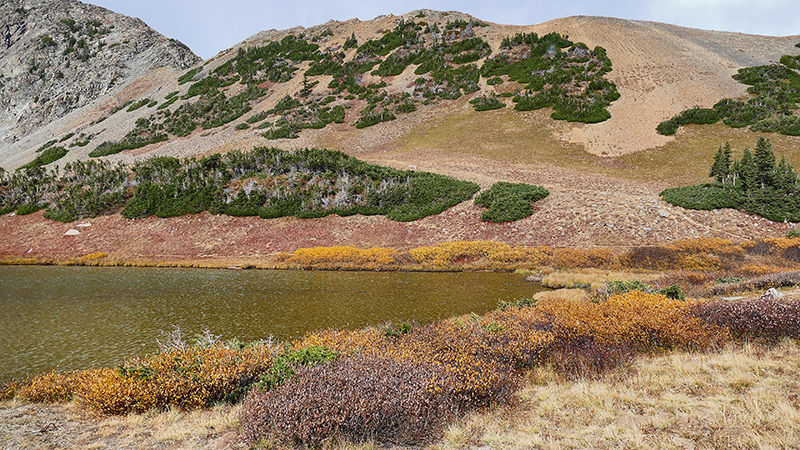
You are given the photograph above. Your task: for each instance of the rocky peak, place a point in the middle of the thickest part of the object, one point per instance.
(59, 55)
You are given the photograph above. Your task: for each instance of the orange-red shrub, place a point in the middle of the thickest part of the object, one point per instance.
(641, 320)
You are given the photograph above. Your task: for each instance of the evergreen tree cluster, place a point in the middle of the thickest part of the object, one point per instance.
(757, 184)
(267, 182)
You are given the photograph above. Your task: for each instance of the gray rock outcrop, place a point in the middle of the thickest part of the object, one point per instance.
(59, 55)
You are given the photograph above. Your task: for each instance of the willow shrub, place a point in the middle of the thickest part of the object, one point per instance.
(754, 319)
(640, 320)
(341, 257)
(358, 399)
(495, 253)
(186, 378)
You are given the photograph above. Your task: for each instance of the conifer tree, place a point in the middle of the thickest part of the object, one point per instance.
(351, 42)
(764, 159)
(748, 171)
(721, 169)
(785, 177)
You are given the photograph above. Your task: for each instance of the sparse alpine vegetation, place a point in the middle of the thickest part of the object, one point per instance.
(775, 91)
(446, 60)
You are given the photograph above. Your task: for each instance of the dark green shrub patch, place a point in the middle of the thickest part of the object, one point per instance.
(550, 75)
(558, 74)
(187, 77)
(372, 117)
(694, 115)
(168, 103)
(618, 287)
(139, 104)
(304, 183)
(33, 185)
(47, 156)
(494, 81)
(508, 202)
(146, 132)
(87, 189)
(756, 184)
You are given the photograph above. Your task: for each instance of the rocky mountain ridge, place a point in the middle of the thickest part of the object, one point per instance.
(58, 56)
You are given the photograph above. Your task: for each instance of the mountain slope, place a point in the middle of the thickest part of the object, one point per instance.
(604, 177)
(658, 69)
(57, 56)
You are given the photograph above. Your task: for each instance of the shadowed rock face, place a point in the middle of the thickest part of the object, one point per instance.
(59, 55)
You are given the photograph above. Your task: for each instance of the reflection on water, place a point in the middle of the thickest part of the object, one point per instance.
(77, 317)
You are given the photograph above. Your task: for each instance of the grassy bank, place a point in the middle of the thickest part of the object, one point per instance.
(690, 261)
(673, 400)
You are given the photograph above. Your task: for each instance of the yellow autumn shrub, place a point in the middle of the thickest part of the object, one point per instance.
(93, 256)
(575, 258)
(642, 320)
(450, 253)
(342, 257)
(49, 387)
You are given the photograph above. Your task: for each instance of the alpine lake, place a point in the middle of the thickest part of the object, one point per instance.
(70, 318)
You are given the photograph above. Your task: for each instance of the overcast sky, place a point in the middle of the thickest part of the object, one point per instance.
(210, 26)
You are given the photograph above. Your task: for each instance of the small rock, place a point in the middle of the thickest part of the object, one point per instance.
(72, 232)
(84, 224)
(771, 294)
(663, 213)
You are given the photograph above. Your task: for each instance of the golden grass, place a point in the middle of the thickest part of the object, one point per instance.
(699, 143)
(502, 134)
(22, 426)
(568, 295)
(185, 427)
(591, 277)
(532, 137)
(743, 397)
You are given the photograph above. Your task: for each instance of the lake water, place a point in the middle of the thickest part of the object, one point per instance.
(79, 317)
